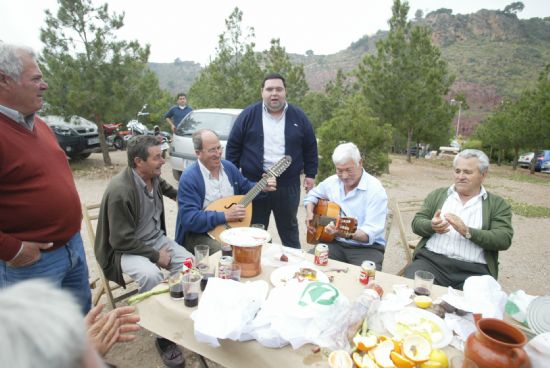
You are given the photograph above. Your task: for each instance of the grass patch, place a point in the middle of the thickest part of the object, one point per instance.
(528, 210)
(525, 178)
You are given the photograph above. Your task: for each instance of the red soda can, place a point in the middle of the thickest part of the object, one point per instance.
(187, 264)
(321, 255)
(368, 272)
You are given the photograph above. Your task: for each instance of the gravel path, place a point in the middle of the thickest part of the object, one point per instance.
(523, 266)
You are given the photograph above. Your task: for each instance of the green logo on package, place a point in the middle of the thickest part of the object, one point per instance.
(318, 293)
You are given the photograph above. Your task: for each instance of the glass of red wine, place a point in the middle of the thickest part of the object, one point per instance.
(191, 282)
(423, 281)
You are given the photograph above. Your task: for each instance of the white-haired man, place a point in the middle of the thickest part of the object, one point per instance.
(359, 195)
(463, 227)
(42, 326)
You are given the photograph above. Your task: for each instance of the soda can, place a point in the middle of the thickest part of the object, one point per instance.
(224, 267)
(368, 272)
(321, 255)
(187, 264)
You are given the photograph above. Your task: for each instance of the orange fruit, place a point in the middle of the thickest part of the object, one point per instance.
(416, 348)
(423, 301)
(363, 361)
(365, 343)
(382, 354)
(340, 359)
(400, 361)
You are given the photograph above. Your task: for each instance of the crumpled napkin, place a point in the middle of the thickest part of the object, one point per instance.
(225, 307)
(481, 294)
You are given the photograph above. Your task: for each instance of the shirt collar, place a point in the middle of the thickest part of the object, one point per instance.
(141, 183)
(267, 111)
(482, 192)
(26, 121)
(206, 172)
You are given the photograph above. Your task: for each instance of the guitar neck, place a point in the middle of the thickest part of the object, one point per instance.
(252, 193)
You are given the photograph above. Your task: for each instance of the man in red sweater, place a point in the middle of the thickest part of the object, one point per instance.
(39, 205)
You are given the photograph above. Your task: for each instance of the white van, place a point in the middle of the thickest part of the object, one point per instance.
(182, 153)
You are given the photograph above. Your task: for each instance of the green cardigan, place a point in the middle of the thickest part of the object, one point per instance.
(495, 234)
(118, 221)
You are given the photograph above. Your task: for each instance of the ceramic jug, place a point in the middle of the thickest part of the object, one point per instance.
(496, 344)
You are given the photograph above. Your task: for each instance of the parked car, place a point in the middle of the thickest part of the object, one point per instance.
(545, 167)
(182, 153)
(524, 159)
(77, 136)
(542, 157)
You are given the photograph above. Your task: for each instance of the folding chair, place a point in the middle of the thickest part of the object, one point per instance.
(90, 212)
(408, 244)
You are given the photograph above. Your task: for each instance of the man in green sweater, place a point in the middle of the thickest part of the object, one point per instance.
(463, 227)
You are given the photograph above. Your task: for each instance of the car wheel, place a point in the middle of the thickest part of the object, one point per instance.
(118, 143)
(176, 174)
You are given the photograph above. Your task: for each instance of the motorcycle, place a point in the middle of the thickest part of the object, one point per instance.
(113, 136)
(136, 127)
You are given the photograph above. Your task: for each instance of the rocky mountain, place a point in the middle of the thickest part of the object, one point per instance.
(492, 54)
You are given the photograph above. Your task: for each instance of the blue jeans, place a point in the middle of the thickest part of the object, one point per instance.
(65, 267)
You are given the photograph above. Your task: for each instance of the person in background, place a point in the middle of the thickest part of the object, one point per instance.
(463, 227)
(207, 180)
(359, 195)
(40, 211)
(178, 112)
(42, 326)
(263, 133)
(131, 230)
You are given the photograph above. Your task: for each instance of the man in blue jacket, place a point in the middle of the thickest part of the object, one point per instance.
(207, 180)
(263, 133)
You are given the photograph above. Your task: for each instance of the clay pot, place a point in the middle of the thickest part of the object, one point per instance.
(496, 344)
(247, 248)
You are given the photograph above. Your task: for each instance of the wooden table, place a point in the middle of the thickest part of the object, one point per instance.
(170, 319)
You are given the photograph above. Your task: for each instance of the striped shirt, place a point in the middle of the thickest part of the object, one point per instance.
(215, 189)
(452, 244)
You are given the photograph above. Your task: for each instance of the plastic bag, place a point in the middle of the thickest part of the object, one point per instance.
(516, 305)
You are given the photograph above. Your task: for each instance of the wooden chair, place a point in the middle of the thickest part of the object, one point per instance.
(408, 243)
(90, 212)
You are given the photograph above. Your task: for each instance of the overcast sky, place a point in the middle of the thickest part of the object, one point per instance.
(189, 30)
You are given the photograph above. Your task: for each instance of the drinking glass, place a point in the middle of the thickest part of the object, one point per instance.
(201, 257)
(191, 282)
(423, 281)
(175, 285)
(236, 272)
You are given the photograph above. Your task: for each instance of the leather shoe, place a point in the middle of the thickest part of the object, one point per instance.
(171, 354)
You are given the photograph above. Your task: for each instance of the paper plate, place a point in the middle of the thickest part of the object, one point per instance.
(245, 236)
(538, 314)
(410, 321)
(280, 276)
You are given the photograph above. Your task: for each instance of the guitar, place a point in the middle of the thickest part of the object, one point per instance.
(245, 200)
(324, 213)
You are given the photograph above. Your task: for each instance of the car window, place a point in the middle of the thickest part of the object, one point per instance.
(218, 122)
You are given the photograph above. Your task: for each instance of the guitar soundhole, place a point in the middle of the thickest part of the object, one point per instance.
(229, 205)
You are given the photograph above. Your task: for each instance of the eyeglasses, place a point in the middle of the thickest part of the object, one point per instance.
(215, 150)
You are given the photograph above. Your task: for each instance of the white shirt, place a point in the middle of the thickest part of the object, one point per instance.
(274, 137)
(215, 189)
(368, 203)
(452, 244)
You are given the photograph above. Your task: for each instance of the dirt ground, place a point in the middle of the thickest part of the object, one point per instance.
(523, 266)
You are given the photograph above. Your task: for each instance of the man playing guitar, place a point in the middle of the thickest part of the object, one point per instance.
(359, 195)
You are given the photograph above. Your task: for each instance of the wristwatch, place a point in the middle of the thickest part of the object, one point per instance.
(468, 235)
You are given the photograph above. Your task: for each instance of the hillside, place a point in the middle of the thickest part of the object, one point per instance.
(492, 54)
